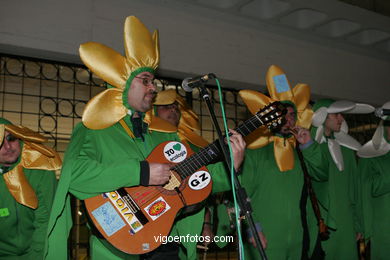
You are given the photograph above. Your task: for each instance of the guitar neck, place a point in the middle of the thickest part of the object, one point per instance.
(212, 152)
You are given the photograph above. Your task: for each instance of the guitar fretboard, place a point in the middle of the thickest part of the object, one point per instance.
(211, 152)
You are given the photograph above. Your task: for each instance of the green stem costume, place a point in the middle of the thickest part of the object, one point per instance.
(374, 169)
(337, 194)
(337, 183)
(23, 228)
(275, 198)
(375, 174)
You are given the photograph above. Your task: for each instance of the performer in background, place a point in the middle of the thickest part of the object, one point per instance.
(108, 149)
(27, 187)
(272, 174)
(374, 172)
(337, 184)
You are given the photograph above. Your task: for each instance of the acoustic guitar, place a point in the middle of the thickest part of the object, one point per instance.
(136, 219)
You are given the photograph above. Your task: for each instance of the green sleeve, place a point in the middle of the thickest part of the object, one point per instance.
(221, 179)
(316, 161)
(45, 193)
(91, 175)
(380, 179)
(249, 173)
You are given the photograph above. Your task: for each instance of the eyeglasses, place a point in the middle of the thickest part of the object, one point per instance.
(148, 81)
(9, 138)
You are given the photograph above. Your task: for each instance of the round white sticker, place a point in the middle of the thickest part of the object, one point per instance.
(199, 180)
(175, 152)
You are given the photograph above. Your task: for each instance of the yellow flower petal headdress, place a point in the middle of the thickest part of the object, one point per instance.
(279, 90)
(188, 119)
(34, 155)
(142, 54)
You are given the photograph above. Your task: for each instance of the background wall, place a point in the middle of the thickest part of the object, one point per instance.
(196, 40)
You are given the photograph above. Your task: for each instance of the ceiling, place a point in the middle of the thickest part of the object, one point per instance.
(357, 25)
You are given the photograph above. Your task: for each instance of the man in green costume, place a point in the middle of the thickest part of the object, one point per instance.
(336, 185)
(27, 187)
(272, 173)
(374, 170)
(108, 149)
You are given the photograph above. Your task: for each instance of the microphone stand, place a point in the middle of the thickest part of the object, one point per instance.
(242, 197)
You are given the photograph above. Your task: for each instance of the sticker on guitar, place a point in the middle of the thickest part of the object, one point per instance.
(157, 208)
(175, 152)
(199, 180)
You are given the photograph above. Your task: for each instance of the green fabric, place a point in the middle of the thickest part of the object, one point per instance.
(24, 229)
(4, 121)
(90, 161)
(337, 193)
(91, 158)
(325, 102)
(375, 176)
(275, 198)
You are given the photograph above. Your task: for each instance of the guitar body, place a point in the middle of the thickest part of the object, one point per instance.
(135, 219)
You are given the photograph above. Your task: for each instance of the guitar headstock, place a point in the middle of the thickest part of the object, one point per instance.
(272, 115)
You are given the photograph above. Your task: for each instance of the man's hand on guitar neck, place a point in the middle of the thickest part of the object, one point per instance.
(159, 173)
(238, 147)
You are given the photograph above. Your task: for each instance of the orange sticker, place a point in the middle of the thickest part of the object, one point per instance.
(157, 208)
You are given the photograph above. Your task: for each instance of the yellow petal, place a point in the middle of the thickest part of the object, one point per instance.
(142, 49)
(258, 138)
(26, 134)
(34, 159)
(254, 100)
(104, 110)
(158, 124)
(301, 96)
(105, 62)
(192, 137)
(304, 118)
(1, 133)
(278, 85)
(20, 188)
(284, 153)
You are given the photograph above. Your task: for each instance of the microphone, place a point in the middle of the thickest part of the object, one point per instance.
(189, 83)
(380, 112)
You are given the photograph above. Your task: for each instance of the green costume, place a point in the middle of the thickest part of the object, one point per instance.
(337, 194)
(374, 169)
(336, 184)
(275, 198)
(23, 228)
(375, 174)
